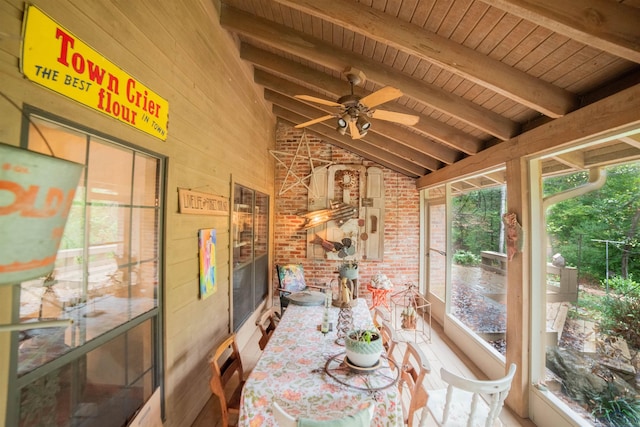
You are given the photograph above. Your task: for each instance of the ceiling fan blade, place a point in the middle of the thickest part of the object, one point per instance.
(381, 96)
(353, 130)
(314, 121)
(317, 100)
(392, 116)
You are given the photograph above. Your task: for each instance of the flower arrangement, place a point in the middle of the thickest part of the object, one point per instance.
(381, 281)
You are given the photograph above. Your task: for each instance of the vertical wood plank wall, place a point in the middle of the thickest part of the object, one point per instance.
(219, 129)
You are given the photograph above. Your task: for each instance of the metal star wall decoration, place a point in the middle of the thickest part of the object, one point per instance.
(290, 168)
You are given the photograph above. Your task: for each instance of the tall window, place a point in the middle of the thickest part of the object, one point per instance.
(437, 241)
(478, 270)
(592, 293)
(250, 252)
(105, 365)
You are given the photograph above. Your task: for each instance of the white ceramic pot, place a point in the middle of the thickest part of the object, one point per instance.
(362, 353)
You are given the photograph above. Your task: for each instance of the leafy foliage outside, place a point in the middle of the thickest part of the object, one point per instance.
(578, 227)
(477, 221)
(613, 409)
(466, 258)
(621, 311)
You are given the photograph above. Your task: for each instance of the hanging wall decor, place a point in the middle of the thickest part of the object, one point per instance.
(297, 180)
(38, 191)
(207, 255)
(514, 234)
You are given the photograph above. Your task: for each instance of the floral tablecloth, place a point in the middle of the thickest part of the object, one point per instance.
(291, 371)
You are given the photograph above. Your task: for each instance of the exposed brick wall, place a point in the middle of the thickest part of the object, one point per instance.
(402, 207)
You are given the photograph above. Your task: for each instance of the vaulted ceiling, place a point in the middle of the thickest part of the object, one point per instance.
(476, 73)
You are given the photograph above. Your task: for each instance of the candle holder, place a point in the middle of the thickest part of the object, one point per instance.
(345, 323)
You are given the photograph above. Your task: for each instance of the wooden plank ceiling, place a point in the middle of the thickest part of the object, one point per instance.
(475, 72)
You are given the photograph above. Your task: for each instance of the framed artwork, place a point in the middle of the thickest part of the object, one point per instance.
(291, 277)
(207, 255)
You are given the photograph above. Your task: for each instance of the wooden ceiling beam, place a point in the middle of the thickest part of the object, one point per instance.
(440, 132)
(633, 140)
(319, 52)
(329, 135)
(606, 25)
(414, 40)
(572, 159)
(390, 131)
(377, 141)
(607, 118)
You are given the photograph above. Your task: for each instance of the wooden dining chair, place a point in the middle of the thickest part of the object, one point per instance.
(267, 325)
(461, 403)
(413, 395)
(389, 340)
(227, 377)
(361, 418)
(378, 317)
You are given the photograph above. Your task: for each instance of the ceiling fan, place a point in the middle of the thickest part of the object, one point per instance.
(354, 111)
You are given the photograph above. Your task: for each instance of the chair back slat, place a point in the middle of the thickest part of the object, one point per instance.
(389, 340)
(415, 367)
(477, 411)
(267, 325)
(226, 364)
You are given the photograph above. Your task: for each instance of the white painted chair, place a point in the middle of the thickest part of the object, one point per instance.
(360, 419)
(461, 402)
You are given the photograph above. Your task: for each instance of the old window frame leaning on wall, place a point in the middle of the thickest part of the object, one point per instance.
(107, 280)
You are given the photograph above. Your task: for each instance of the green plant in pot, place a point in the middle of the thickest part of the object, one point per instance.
(408, 318)
(363, 347)
(349, 269)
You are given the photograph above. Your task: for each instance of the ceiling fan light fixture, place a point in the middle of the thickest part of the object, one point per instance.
(363, 124)
(342, 122)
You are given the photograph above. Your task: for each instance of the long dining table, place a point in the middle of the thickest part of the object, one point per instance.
(292, 370)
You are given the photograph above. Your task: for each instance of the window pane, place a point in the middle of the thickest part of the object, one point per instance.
(109, 174)
(145, 177)
(593, 294)
(104, 387)
(437, 243)
(65, 143)
(242, 226)
(479, 264)
(107, 267)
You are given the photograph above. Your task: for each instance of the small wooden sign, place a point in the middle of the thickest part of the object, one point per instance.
(367, 202)
(195, 202)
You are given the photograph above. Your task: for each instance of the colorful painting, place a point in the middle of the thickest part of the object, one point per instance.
(207, 250)
(291, 277)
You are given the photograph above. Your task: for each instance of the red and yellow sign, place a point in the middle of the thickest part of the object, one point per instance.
(55, 58)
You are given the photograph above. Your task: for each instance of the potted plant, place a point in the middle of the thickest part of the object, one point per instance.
(363, 347)
(408, 318)
(349, 269)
